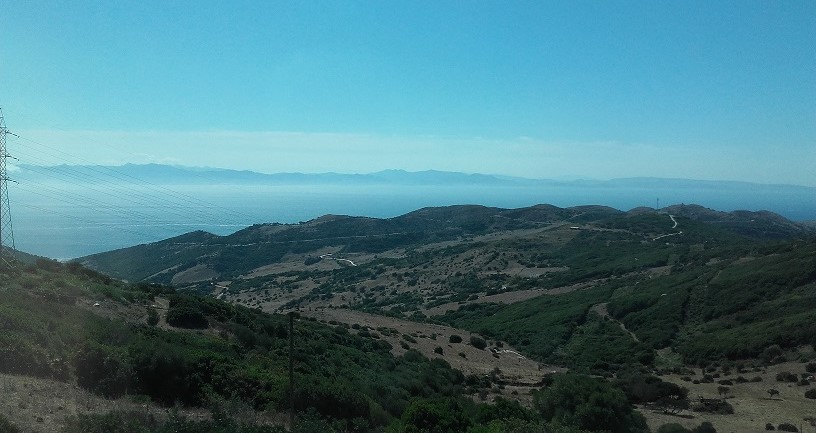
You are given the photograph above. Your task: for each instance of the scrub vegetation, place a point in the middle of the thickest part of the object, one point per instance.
(461, 319)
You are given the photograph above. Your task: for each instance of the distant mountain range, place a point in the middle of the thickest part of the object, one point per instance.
(166, 174)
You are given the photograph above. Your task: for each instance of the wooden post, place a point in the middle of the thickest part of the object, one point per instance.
(291, 371)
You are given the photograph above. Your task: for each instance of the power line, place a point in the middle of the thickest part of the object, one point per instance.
(133, 180)
(101, 190)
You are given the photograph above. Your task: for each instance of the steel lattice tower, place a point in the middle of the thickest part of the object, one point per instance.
(6, 232)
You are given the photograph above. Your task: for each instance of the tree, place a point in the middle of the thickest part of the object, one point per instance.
(672, 428)
(723, 391)
(588, 403)
(705, 427)
(435, 416)
(152, 317)
(478, 342)
(186, 317)
(772, 392)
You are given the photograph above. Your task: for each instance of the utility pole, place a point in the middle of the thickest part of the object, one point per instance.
(7, 247)
(291, 370)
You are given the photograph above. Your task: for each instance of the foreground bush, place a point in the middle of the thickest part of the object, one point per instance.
(6, 426)
(588, 403)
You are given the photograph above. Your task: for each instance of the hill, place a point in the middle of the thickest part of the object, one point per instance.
(678, 279)
(69, 324)
(83, 353)
(248, 250)
(435, 309)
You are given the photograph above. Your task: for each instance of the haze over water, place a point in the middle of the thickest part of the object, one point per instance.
(63, 231)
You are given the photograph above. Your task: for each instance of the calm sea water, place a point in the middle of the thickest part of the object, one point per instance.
(66, 226)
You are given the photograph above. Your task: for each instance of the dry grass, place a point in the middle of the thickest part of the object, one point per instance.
(514, 368)
(752, 406)
(42, 405)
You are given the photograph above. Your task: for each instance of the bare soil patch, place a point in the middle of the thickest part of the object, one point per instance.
(513, 366)
(193, 275)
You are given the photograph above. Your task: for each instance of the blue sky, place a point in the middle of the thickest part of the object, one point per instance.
(599, 89)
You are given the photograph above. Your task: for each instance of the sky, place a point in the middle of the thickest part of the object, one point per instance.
(721, 90)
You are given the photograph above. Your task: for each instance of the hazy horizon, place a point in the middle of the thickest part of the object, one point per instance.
(565, 178)
(538, 90)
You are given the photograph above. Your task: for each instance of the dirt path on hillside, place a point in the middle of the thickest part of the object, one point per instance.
(603, 311)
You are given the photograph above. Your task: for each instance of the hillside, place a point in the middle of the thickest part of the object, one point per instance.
(248, 250)
(692, 279)
(458, 305)
(84, 353)
(144, 347)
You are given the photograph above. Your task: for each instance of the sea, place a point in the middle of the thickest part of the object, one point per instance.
(75, 223)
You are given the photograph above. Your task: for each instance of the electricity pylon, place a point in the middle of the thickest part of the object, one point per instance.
(6, 232)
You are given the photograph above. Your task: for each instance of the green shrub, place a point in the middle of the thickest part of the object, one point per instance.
(672, 428)
(102, 370)
(112, 422)
(6, 426)
(705, 427)
(811, 394)
(455, 339)
(478, 342)
(442, 416)
(721, 407)
(152, 317)
(588, 403)
(186, 317)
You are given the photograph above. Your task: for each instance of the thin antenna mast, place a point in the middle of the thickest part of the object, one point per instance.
(7, 247)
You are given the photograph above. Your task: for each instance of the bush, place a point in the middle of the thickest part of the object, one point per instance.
(811, 394)
(438, 350)
(785, 376)
(704, 427)
(186, 317)
(770, 427)
(721, 407)
(771, 353)
(811, 367)
(589, 404)
(672, 428)
(102, 370)
(152, 317)
(112, 422)
(455, 339)
(435, 416)
(785, 426)
(478, 342)
(6, 426)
